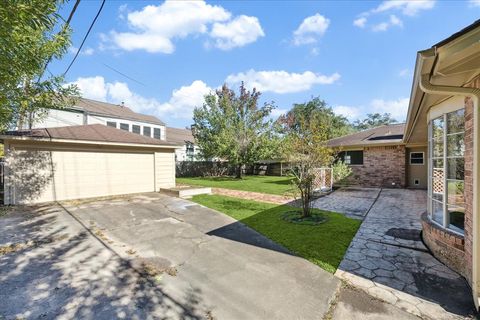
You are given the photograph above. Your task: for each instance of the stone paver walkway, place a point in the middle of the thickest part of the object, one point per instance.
(388, 260)
(256, 196)
(353, 202)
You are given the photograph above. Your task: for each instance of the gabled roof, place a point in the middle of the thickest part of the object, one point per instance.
(384, 135)
(91, 132)
(180, 136)
(114, 111)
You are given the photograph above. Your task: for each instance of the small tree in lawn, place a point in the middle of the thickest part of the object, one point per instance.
(235, 128)
(307, 150)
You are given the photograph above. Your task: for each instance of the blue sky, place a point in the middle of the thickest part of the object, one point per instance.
(358, 56)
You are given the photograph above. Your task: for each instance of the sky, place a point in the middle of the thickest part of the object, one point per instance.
(161, 58)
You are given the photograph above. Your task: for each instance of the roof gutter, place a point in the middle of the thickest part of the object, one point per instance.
(427, 87)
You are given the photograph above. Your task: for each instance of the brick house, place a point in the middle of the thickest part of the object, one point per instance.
(441, 132)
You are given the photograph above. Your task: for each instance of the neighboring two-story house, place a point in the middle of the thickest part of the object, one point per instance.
(88, 111)
(184, 137)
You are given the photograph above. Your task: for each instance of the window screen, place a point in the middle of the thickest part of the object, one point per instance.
(124, 126)
(135, 128)
(156, 133)
(147, 131)
(112, 124)
(351, 157)
(416, 157)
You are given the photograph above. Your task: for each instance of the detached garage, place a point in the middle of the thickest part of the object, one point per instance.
(64, 163)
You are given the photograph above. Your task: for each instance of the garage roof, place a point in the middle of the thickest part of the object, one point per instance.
(384, 135)
(91, 132)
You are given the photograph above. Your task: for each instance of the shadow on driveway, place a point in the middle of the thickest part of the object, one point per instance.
(56, 269)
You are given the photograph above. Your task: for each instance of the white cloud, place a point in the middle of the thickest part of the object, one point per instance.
(180, 105)
(360, 22)
(278, 112)
(92, 88)
(397, 108)
(310, 30)
(384, 26)
(351, 113)
(240, 31)
(86, 52)
(474, 3)
(407, 7)
(154, 28)
(281, 81)
(184, 100)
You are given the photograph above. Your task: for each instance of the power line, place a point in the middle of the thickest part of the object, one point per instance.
(85, 37)
(67, 23)
(123, 74)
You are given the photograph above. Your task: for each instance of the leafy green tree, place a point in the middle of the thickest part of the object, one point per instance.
(235, 128)
(307, 150)
(323, 115)
(374, 120)
(28, 41)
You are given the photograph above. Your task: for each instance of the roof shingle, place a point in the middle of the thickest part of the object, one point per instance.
(91, 132)
(115, 111)
(180, 136)
(387, 134)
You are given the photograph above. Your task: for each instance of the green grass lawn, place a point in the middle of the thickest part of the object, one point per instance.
(324, 244)
(262, 184)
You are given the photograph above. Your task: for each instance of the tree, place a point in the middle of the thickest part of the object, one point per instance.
(374, 120)
(307, 150)
(316, 109)
(235, 128)
(28, 41)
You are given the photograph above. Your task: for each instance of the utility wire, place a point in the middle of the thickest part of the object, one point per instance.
(65, 26)
(85, 37)
(123, 74)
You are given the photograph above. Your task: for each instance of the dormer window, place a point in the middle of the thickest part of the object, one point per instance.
(157, 133)
(147, 131)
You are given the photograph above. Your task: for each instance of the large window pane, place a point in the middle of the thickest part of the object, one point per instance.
(456, 193)
(438, 147)
(456, 121)
(437, 211)
(455, 145)
(438, 196)
(456, 168)
(437, 128)
(456, 218)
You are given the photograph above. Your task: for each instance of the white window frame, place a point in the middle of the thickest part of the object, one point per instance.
(423, 158)
(445, 223)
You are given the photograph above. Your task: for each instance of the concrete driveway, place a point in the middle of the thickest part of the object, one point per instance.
(150, 256)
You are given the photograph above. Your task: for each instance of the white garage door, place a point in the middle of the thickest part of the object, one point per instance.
(80, 174)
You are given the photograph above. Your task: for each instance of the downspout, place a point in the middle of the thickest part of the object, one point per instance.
(473, 93)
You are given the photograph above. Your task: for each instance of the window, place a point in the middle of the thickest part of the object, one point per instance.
(112, 124)
(135, 129)
(351, 157)
(147, 131)
(190, 151)
(125, 126)
(447, 170)
(416, 157)
(156, 133)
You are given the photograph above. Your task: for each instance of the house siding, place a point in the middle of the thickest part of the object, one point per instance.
(164, 170)
(383, 166)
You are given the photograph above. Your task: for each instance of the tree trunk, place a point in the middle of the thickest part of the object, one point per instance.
(239, 171)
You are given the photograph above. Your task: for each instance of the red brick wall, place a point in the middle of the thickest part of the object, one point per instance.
(382, 166)
(469, 125)
(445, 245)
